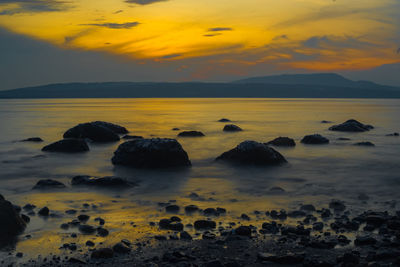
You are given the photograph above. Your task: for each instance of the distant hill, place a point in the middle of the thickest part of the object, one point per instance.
(282, 86)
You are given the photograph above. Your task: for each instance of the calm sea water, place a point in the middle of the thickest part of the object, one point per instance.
(315, 174)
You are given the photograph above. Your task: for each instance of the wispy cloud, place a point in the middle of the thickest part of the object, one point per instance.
(211, 34)
(171, 56)
(219, 29)
(143, 2)
(126, 25)
(34, 6)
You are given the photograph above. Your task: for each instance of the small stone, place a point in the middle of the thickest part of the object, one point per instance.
(44, 211)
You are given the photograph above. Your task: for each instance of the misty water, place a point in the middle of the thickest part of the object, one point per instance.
(314, 173)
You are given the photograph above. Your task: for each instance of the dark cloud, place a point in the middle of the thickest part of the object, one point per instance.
(33, 6)
(171, 56)
(118, 11)
(211, 34)
(143, 2)
(335, 42)
(219, 29)
(398, 51)
(127, 25)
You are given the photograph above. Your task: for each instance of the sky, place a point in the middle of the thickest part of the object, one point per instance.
(48, 41)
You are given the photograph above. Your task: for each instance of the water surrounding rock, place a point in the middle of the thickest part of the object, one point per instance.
(253, 153)
(232, 128)
(67, 146)
(97, 131)
(314, 139)
(151, 153)
(48, 183)
(282, 141)
(351, 126)
(191, 134)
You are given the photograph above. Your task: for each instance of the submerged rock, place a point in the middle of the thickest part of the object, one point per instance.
(98, 131)
(151, 153)
(351, 126)
(48, 183)
(11, 223)
(253, 153)
(190, 134)
(232, 128)
(314, 139)
(108, 181)
(393, 134)
(364, 144)
(68, 146)
(224, 120)
(282, 141)
(32, 139)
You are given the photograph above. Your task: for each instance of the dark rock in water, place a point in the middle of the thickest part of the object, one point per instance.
(168, 224)
(314, 139)
(185, 236)
(324, 121)
(121, 248)
(243, 230)
(364, 241)
(351, 126)
(175, 129)
(393, 134)
(349, 259)
(33, 139)
(270, 228)
(87, 229)
(208, 235)
(106, 182)
(90, 243)
(172, 208)
(26, 218)
(325, 213)
(296, 214)
(160, 237)
(204, 224)
(97, 131)
(281, 259)
(224, 120)
(83, 217)
(68, 146)
(132, 137)
(277, 189)
(253, 153)
(246, 217)
(48, 183)
(337, 205)
(211, 211)
(72, 211)
(44, 211)
(190, 134)
(308, 207)
(282, 141)
(364, 144)
(318, 226)
(151, 153)
(102, 253)
(232, 128)
(343, 139)
(11, 223)
(191, 208)
(28, 207)
(102, 232)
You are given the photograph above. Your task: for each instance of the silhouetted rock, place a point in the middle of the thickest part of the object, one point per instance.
(282, 141)
(337, 205)
(48, 183)
(11, 223)
(151, 153)
(190, 134)
(253, 153)
(314, 139)
(224, 120)
(102, 253)
(191, 208)
(106, 182)
(243, 230)
(68, 146)
(282, 259)
(343, 139)
(351, 126)
(324, 121)
(393, 134)
(364, 241)
(172, 208)
(121, 248)
(33, 139)
(97, 131)
(87, 229)
(364, 144)
(44, 211)
(204, 224)
(232, 128)
(132, 137)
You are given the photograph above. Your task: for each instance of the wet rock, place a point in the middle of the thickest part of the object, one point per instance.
(364, 144)
(282, 141)
(232, 128)
(243, 230)
(96, 131)
(44, 211)
(298, 230)
(318, 226)
(19, 255)
(175, 129)
(364, 241)
(64, 226)
(211, 212)
(102, 232)
(270, 228)
(185, 236)
(337, 205)
(72, 211)
(73, 260)
(325, 121)
(172, 208)
(87, 229)
(33, 139)
(121, 248)
(48, 183)
(281, 215)
(351, 126)
(175, 219)
(175, 226)
(151, 153)
(67, 146)
(100, 220)
(11, 223)
(26, 218)
(314, 139)
(102, 253)
(191, 208)
(308, 207)
(190, 134)
(281, 259)
(325, 213)
(277, 190)
(221, 210)
(106, 182)
(224, 120)
(253, 153)
(132, 137)
(160, 237)
(208, 235)
(343, 139)
(245, 217)
(296, 214)
(393, 134)
(204, 224)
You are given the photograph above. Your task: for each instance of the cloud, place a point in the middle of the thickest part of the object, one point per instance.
(143, 2)
(126, 25)
(212, 34)
(398, 51)
(335, 42)
(219, 29)
(171, 56)
(33, 6)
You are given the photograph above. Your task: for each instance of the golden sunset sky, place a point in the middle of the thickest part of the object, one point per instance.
(314, 35)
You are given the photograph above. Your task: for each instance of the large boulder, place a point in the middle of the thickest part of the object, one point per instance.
(314, 139)
(232, 128)
(151, 153)
(106, 182)
(282, 141)
(253, 153)
(67, 145)
(351, 126)
(98, 131)
(11, 223)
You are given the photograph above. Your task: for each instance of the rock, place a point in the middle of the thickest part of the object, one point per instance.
(318, 226)
(160, 237)
(83, 217)
(282, 141)
(281, 259)
(190, 134)
(19, 254)
(33, 139)
(243, 231)
(87, 229)
(393, 134)
(64, 226)
(298, 230)
(106, 182)
(343, 139)
(67, 146)
(185, 236)
(48, 183)
(175, 129)
(232, 128)
(172, 208)
(308, 207)
(253, 153)
(296, 214)
(245, 217)
(170, 225)
(277, 189)
(208, 235)
(211, 211)
(364, 241)
(76, 261)
(324, 121)
(27, 207)
(71, 211)
(102, 253)
(121, 248)
(151, 153)
(224, 120)
(325, 213)
(204, 224)
(337, 205)
(132, 137)
(351, 126)
(350, 259)
(314, 139)
(11, 223)
(191, 208)
(364, 144)
(97, 131)
(44, 211)
(102, 232)
(221, 210)
(100, 220)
